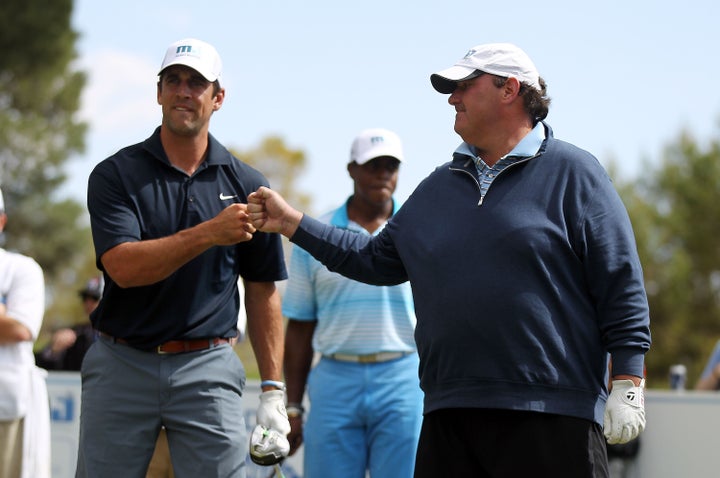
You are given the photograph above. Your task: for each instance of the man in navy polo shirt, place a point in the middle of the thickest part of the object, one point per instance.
(172, 235)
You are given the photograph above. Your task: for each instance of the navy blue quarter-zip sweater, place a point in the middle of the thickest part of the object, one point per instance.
(520, 297)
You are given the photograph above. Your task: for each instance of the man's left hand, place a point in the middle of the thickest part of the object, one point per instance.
(624, 412)
(268, 443)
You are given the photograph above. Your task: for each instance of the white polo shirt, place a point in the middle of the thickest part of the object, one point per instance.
(22, 291)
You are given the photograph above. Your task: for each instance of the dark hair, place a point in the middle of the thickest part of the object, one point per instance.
(537, 103)
(216, 87)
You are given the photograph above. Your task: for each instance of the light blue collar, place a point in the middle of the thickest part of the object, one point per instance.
(340, 217)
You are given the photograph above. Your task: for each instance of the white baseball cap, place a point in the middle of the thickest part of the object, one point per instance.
(373, 143)
(196, 54)
(501, 59)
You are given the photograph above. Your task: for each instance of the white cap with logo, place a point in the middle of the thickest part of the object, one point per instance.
(501, 59)
(373, 143)
(196, 54)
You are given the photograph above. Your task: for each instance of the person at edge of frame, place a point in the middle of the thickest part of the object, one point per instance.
(24, 412)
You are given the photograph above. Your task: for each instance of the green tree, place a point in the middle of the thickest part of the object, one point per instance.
(281, 166)
(674, 211)
(39, 131)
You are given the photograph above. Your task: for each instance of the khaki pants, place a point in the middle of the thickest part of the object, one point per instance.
(160, 464)
(11, 448)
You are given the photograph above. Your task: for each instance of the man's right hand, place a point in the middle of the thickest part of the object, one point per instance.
(232, 225)
(270, 213)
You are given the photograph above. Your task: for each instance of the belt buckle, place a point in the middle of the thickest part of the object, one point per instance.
(160, 350)
(367, 358)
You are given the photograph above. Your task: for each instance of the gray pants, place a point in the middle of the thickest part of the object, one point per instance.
(128, 394)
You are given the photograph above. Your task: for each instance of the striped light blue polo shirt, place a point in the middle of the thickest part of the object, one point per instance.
(352, 317)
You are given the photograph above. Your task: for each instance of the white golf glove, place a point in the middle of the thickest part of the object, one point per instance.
(268, 442)
(624, 412)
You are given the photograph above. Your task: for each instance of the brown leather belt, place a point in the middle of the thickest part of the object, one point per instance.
(176, 346)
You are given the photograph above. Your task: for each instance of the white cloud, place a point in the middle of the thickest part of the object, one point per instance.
(120, 94)
(119, 105)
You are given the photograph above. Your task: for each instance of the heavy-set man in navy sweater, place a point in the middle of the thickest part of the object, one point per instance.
(526, 280)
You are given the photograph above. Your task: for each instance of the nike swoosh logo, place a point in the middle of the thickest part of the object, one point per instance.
(225, 198)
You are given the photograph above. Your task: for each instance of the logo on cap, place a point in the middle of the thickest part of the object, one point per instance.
(187, 50)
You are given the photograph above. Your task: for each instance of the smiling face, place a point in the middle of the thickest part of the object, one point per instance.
(188, 100)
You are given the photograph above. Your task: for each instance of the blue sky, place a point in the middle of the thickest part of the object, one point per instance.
(625, 77)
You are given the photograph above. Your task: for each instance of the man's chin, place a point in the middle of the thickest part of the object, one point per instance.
(187, 130)
(458, 127)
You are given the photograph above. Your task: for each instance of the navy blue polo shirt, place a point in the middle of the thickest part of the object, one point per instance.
(136, 194)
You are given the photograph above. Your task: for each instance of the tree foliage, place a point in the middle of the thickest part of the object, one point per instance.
(675, 214)
(281, 166)
(40, 95)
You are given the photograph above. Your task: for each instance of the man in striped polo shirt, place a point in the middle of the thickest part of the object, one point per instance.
(364, 391)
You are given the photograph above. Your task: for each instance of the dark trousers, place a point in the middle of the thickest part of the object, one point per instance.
(487, 443)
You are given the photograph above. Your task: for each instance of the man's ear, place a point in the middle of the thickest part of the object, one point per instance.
(352, 169)
(219, 98)
(511, 88)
